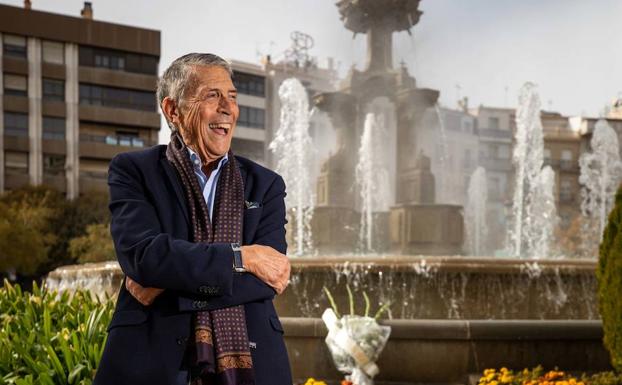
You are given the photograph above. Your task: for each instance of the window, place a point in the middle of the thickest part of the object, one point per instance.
(249, 84)
(53, 52)
(251, 149)
(118, 60)
(251, 117)
(15, 124)
(116, 136)
(503, 151)
(117, 97)
(566, 162)
(467, 126)
(565, 191)
(53, 164)
(14, 46)
(493, 123)
(53, 128)
(16, 85)
(16, 162)
(467, 158)
(54, 89)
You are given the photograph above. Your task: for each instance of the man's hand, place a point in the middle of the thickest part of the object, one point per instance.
(144, 295)
(268, 265)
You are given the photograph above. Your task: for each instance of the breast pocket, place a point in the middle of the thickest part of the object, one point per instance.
(251, 220)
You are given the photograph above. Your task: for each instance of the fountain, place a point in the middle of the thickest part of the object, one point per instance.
(293, 148)
(601, 173)
(475, 213)
(372, 178)
(450, 315)
(533, 184)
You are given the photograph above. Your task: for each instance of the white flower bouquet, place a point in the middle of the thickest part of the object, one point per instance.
(355, 342)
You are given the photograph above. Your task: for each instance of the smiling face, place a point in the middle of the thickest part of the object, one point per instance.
(209, 113)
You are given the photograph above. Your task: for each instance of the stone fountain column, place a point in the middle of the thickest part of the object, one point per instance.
(335, 221)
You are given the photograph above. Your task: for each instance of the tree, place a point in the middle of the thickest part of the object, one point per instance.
(95, 246)
(609, 276)
(25, 236)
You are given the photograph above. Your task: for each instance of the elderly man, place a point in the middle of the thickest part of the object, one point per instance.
(199, 234)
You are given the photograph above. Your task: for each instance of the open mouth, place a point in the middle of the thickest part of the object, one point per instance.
(220, 128)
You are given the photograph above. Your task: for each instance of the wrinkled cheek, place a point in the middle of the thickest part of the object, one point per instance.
(192, 125)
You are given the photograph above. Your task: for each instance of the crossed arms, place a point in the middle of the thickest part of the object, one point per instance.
(154, 261)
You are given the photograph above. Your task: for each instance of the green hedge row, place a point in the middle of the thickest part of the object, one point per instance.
(51, 339)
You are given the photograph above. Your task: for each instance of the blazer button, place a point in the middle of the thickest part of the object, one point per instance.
(180, 341)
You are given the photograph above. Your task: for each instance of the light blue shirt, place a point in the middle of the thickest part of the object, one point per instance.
(208, 184)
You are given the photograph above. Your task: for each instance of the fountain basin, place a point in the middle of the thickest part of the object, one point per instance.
(418, 287)
(449, 351)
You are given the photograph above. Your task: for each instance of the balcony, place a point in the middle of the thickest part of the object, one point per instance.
(14, 180)
(93, 181)
(120, 116)
(107, 146)
(55, 180)
(569, 165)
(16, 143)
(496, 164)
(566, 197)
(495, 133)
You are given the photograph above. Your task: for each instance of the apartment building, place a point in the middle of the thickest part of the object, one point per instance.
(562, 149)
(250, 135)
(260, 106)
(495, 129)
(74, 92)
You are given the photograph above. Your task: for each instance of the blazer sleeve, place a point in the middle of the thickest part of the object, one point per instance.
(154, 258)
(270, 232)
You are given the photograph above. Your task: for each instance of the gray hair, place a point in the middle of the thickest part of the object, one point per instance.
(177, 80)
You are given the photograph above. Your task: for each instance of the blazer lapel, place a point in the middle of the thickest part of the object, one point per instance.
(248, 186)
(175, 182)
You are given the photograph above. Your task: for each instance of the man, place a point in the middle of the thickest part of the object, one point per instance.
(196, 307)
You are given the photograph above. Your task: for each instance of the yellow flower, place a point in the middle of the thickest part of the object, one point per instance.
(494, 383)
(490, 376)
(488, 371)
(506, 378)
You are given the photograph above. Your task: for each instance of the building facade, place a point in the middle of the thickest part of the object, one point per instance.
(260, 106)
(74, 92)
(562, 149)
(495, 130)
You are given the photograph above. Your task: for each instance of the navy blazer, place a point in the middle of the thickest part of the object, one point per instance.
(151, 230)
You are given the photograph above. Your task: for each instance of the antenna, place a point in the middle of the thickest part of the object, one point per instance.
(298, 53)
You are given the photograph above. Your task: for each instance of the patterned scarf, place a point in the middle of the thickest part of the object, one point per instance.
(221, 352)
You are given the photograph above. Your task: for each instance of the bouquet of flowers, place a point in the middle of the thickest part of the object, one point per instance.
(355, 342)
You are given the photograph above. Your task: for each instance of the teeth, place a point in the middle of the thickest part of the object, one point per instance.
(221, 126)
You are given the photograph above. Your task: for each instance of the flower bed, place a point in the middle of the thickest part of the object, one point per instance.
(538, 376)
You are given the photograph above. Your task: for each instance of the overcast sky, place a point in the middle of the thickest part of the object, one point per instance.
(572, 49)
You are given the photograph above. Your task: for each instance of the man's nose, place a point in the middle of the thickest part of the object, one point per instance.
(224, 105)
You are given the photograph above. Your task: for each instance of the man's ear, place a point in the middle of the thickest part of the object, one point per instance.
(171, 111)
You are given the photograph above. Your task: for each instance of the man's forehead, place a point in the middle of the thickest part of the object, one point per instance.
(213, 77)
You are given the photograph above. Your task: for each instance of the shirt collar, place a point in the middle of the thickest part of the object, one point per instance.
(195, 159)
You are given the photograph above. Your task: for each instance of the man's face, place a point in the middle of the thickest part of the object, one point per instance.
(210, 113)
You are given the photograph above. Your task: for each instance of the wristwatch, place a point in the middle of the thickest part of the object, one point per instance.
(238, 266)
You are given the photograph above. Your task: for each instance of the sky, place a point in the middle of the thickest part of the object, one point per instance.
(482, 49)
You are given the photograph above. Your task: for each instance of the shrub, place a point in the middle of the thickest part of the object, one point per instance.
(609, 276)
(47, 338)
(94, 246)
